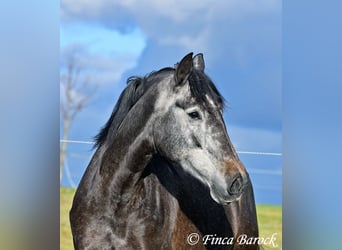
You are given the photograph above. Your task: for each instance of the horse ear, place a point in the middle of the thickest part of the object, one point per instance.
(199, 62)
(183, 69)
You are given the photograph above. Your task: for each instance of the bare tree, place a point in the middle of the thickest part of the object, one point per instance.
(75, 95)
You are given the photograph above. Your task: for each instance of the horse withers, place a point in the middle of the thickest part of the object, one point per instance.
(165, 174)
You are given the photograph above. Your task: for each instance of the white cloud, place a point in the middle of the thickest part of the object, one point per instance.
(150, 14)
(192, 25)
(175, 10)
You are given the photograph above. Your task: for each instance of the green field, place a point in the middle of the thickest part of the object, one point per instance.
(269, 218)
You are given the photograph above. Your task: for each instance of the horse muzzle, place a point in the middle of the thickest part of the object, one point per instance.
(231, 185)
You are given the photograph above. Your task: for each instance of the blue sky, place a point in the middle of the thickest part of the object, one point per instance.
(241, 42)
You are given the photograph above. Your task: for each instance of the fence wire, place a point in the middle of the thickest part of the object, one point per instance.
(250, 170)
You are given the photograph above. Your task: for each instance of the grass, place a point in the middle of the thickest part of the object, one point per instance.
(66, 196)
(269, 219)
(270, 222)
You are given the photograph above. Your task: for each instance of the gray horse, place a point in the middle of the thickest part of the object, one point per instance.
(165, 170)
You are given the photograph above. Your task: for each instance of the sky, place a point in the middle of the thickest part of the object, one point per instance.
(241, 42)
(242, 46)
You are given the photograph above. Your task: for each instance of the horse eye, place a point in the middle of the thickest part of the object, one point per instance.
(194, 115)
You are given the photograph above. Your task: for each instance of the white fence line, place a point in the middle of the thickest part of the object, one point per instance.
(238, 151)
(76, 141)
(259, 153)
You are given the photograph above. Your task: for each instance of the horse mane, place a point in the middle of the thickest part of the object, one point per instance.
(200, 86)
(126, 101)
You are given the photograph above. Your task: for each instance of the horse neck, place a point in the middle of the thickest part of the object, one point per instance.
(128, 150)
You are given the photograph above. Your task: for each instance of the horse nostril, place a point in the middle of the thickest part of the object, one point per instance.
(236, 186)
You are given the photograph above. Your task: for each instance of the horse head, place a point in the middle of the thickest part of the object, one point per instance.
(189, 129)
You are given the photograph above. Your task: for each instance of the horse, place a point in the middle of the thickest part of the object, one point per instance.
(165, 174)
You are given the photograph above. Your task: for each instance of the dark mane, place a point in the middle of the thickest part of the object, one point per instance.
(127, 99)
(200, 87)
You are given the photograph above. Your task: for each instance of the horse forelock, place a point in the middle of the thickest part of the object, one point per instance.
(202, 88)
